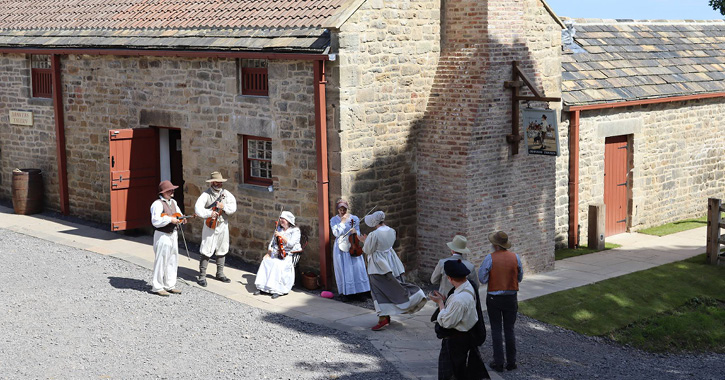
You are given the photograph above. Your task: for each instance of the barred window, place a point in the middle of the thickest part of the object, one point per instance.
(41, 76)
(257, 160)
(254, 77)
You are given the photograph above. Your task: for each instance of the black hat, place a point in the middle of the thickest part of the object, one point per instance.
(456, 269)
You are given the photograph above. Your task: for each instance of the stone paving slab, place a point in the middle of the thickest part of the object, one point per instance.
(409, 343)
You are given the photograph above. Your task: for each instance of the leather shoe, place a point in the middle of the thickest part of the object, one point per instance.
(174, 291)
(511, 366)
(223, 278)
(496, 367)
(202, 282)
(381, 324)
(163, 293)
(274, 296)
(257, 292)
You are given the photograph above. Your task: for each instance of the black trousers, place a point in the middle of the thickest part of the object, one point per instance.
(459, 358)
(502, 311)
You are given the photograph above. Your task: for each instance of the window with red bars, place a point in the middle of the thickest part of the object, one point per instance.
(257, 160)
(41, 76)
(254, 77)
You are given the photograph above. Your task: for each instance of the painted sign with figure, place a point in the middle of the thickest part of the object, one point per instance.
(541, 131)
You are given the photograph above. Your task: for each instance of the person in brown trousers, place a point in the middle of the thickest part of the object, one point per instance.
(502, 271)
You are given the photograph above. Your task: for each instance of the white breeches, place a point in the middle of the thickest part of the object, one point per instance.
(166, 249)
(215, 240)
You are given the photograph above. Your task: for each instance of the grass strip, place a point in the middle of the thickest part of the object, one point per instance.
(674, 227)
(564, 253)
(601, 308)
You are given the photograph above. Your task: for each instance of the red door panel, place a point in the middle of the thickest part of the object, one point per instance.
(615, 185)
(134, 162)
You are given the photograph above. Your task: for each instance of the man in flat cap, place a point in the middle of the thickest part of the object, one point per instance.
(502, 271)
(459, 319)
(215, 204)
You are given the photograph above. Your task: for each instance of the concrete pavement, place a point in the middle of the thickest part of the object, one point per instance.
(409, 343)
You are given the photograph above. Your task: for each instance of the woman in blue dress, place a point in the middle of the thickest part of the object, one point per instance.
(350, 272)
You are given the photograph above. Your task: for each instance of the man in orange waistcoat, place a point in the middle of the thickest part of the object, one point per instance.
(502, 271)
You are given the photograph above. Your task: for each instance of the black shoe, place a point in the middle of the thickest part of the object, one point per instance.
(496, 367)
(201, 281)
(511, 366)
(257, 292)
(223, 278)
(274, 296)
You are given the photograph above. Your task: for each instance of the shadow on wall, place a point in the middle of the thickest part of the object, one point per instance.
(468, 182)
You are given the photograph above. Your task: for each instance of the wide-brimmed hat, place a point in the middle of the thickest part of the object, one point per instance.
(375, 218)
(459, 244)
(165, 186)
(500, 239)
(216, 177)
(288, 216)
(456, 269)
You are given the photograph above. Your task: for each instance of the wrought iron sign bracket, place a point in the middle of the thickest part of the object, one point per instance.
(518, 80)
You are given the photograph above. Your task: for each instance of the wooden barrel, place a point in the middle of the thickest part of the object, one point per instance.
(27, 191)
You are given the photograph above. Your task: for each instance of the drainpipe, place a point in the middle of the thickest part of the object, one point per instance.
(574, 179)
(60, 135)
(323, 183)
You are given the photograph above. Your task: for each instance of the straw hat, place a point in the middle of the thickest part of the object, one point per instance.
(165, 186)
(459, 244)
(500, 239)
(216, 177)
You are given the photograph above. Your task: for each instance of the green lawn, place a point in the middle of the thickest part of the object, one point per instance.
(671, 228)
(655, 309)
(564, 253)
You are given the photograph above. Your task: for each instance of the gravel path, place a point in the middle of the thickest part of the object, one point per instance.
(550, 352)
(68, 313)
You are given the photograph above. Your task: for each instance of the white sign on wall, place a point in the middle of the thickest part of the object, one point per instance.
(541, 132)
(21, 117)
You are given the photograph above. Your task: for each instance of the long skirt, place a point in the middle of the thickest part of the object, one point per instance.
(351, 275)
(392, 296)
(275, 276)
(166, 249)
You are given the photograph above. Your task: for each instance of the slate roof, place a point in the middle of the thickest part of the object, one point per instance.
(629, 60)
(247, 25)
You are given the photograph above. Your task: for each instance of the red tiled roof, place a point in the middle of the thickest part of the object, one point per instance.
(168, 14)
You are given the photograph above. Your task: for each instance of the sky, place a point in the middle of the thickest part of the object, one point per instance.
(636, 9)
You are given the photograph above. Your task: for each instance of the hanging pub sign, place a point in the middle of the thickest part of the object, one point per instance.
(541, 131)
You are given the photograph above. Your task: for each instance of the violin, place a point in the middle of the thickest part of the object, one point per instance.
(279, 241)
(178, 216)
(355, 245)
(212, 222)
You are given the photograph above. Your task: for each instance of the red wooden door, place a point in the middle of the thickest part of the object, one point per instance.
(134, 162)
(615, 184)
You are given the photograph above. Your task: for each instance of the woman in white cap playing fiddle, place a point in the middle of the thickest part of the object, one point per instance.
(391, 294)
(276, 274)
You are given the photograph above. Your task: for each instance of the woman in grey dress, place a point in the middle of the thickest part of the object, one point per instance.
(391, 294)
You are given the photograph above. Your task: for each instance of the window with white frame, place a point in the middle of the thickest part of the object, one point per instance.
(257, 160)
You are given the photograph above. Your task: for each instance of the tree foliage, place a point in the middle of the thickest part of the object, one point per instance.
(718, 5)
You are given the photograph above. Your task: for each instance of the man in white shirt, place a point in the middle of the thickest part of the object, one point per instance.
(457, 317)
(166, 241)
(458, 248)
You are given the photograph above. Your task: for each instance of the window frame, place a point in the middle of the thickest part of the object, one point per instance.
(248, 178)
(41, 78)
(256, 71)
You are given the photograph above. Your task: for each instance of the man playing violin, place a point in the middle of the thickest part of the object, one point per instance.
(351, 275)
(166, 243)
(214, 205)
(276, 273)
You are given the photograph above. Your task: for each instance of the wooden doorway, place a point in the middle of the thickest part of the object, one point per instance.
(616, 184)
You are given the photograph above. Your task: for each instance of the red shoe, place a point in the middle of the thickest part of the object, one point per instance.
(381, 324)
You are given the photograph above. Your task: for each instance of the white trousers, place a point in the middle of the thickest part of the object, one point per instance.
(166, 248)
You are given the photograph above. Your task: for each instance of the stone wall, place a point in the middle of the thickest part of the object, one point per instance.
(25, 146)
(387, 53)
(677, 151)
(469, 183)
(200, 97)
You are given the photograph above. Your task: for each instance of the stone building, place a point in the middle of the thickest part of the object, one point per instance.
(646, 100)
(394, 104)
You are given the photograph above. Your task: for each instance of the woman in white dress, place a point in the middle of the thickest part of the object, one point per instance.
(350, 273)
(391, 294)
(276, 275)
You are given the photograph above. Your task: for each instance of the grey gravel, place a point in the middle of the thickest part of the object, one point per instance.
(550, 352)
(67, 313)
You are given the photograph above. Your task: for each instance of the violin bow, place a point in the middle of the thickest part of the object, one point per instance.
(353, 227)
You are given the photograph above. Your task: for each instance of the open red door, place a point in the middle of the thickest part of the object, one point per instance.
(134, 161)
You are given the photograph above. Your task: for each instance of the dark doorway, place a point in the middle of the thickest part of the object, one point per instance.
(175, 164)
